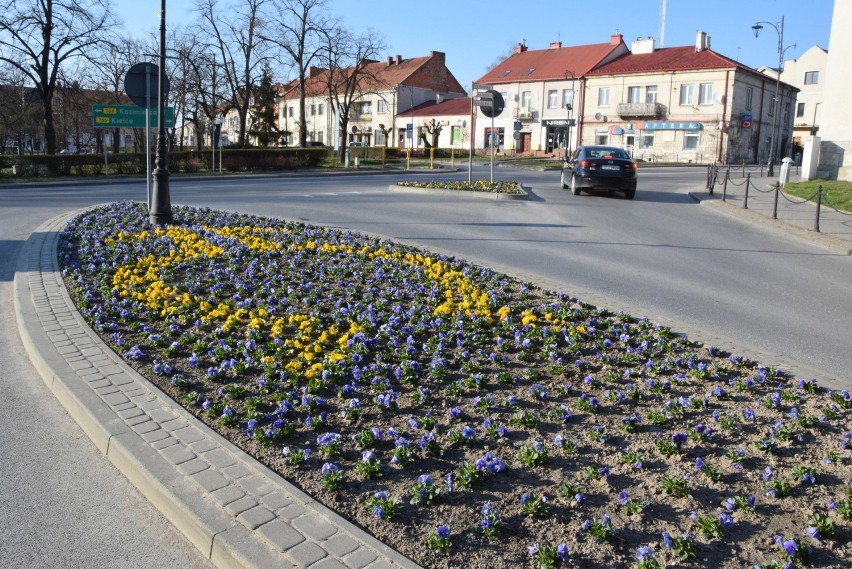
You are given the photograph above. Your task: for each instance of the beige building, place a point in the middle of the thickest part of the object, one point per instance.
(807, 73)
(389, 89)
(677, 104)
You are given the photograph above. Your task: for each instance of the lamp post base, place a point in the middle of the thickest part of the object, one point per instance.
(161, 207)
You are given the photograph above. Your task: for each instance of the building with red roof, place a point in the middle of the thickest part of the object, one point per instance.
(387, 90)
(679, 104)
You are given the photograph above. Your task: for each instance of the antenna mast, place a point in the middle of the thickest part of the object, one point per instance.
(662, 34)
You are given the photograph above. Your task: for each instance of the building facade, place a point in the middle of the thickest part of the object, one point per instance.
(835, 132)
(388, 91)
(807, 73)
(678, 104)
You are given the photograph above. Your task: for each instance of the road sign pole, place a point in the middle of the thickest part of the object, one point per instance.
(492, 148)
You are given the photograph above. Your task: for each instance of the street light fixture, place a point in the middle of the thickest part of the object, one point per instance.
(569, 107)
(779, 29)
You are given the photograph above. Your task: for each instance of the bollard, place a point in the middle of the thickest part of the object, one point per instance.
(743, 167)
(775, 205)
(819, 202)
(761, 169)
(707, 183)
(725, 187)
(747, 182)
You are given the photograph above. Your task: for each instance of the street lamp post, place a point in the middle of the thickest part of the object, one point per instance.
(779, 29)
(161, 205)
(569, 106)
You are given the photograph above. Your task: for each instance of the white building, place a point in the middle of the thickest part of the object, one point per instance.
(835, 160)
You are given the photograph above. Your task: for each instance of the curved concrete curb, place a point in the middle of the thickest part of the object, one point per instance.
(235, 510)
(456, 193)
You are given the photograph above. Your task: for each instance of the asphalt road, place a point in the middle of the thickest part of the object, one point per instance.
(722, 281)
(62, 504)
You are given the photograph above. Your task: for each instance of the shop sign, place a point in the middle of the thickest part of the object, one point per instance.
(667, 125)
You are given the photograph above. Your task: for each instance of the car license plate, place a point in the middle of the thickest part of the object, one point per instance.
(610, 167)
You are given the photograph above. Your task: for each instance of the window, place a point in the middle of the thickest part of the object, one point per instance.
(567, 97)
(526, 99)
(381, 140)
(382, 106)
(686, 94)
(749, 98)
(705, 94)
(319, 136)
(811, 77)
(651, 94)
(800, 110)
(290, 112)
(787, 112)
(553, 99)
(634, 94)
(366, 108)
(602, 138)
(319, 109)
(772, 104)
(603, 97)
(690, 140)
(646, 139)
(313, 110)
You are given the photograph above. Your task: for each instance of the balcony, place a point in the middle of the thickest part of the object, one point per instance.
(523, 114)
(640, 110)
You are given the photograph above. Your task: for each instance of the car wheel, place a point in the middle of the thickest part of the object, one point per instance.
(574, 189)
(630, 194)
(562, 179)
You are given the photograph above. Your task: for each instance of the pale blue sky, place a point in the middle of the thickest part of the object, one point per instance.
(476, 34)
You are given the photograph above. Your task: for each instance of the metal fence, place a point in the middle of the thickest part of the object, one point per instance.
(739, 180)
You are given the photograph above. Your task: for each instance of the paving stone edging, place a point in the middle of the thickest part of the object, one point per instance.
(234, 509)
(446, 192)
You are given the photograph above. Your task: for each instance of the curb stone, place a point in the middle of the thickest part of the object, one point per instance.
(235, 510)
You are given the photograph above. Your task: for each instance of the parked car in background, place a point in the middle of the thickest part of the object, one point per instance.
(600, 168)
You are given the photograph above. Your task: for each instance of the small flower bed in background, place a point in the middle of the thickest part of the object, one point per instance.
(478, 186)
(462, 416)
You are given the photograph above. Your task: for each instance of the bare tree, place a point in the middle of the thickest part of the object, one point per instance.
(300, 28)
(38, 37)
(235, 34)
(350, 75)
(205, 86)
(107, 76)
(19, 111)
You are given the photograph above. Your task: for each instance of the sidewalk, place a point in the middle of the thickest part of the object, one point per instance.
(230, 506)
(794, 216)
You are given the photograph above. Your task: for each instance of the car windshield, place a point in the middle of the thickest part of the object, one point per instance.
(607, 153)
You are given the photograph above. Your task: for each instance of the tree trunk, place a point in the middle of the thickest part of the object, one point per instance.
(49, 129)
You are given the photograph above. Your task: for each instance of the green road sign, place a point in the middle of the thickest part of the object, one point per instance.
(127, 116)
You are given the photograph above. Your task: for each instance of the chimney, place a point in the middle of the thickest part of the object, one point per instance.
(438, 56)
(520, 48)
(702, 41)
(555, 44)
(390, 60)
(398, 59)
(642, 45)
(616, 39)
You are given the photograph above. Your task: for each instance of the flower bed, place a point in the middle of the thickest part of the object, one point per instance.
(461, 416)
(512, 188)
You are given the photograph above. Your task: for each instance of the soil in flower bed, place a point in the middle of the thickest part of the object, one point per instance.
(410, 391)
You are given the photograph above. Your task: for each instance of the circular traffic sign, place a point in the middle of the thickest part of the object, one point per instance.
(141, 84)
(497, 104)
(516, 135)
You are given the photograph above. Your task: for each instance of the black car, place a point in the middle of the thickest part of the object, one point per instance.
(600, 168)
